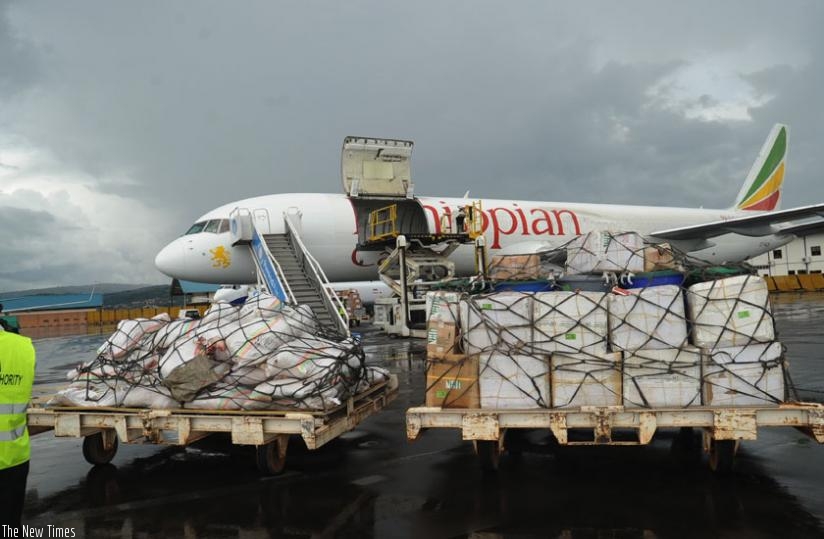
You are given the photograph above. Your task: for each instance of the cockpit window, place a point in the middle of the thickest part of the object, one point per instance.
(196, 228)
(212, 226)
(224, 226)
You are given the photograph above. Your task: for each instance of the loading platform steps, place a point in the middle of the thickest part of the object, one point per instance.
(268, 430)
(283, 250)
(723, 428)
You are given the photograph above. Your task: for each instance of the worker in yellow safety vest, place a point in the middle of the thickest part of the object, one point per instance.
(16, 379)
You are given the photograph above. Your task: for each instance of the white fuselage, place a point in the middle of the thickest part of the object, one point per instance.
(329, 231)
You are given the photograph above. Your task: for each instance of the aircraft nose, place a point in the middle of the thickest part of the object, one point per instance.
(171, 260)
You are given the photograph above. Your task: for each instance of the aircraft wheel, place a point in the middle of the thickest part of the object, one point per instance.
(271, 457)
(95, 450)
(489, 457)
(722, 456)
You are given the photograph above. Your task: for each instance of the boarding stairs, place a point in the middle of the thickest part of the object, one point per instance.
(287, 269)
(305, 292)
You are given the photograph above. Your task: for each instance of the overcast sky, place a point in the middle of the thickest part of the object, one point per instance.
(121, 122)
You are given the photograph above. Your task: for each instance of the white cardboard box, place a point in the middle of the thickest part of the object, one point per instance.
(663, 378)
(585, 380)
(730, 312)
(443, 306)
(648, 318)
(751, 375)
(515, 381)
(570, 322)
(497, 322)
(601, 251)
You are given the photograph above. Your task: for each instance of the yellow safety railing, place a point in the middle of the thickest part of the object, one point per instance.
(383, 223)
(474, 219)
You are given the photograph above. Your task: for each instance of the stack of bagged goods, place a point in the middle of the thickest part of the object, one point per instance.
(650, 342)
(732, 323)
(259, 355)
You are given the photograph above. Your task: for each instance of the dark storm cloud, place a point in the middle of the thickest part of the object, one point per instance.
(181, 107)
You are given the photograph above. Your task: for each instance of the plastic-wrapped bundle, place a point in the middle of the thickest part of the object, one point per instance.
(497, 322)
(260, 306)
(130, 334)
(514, 381)
(663, 378)
(217, 363)
(174, 330)
(648, 318)
(570, 322)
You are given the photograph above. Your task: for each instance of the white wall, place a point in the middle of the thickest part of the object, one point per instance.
(795, 258)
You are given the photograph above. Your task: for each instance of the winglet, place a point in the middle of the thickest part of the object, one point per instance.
(762, 190)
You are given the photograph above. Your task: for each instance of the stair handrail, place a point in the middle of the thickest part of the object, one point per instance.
(290, 296)
(284, 283)
(331, 299)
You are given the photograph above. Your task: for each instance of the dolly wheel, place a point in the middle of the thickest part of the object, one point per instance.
(722, 455)
(271, 457)
(488, 455)
(95, 451)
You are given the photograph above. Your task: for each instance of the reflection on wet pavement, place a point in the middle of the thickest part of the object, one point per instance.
(373, 483)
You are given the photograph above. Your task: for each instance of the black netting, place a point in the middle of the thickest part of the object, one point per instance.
(608, 320)
(261, 355)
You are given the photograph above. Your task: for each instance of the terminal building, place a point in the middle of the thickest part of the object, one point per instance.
(801, 256)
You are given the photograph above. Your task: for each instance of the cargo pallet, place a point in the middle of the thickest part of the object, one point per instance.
(267, 430)
(723, 427)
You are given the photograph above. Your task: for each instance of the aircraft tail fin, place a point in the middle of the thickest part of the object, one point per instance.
(762, 190)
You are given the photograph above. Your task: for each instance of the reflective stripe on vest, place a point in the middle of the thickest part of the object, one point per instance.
(14, 408)
(11, 435)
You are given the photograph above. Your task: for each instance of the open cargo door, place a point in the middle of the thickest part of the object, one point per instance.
(372, 167)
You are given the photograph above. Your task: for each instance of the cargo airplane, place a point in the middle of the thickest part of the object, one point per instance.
(330, 229)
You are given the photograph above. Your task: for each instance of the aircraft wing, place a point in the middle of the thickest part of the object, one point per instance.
(804, 219)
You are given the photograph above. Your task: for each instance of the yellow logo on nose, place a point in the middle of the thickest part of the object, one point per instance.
(220, 257)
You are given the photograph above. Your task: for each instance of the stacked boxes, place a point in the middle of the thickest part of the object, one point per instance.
(513, 381)
(452, 382)
(749, 375)
(586, 380)
(730, 312)
(662, 378)
(597, 252)
(656, 347)
(501, 322)
(570, 322)
(442, 324)
(514, 267)
(648, 318)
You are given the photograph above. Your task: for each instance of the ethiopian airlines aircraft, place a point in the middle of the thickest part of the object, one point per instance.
(330, 229)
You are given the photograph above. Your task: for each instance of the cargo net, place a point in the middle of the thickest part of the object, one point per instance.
(686, 335)
(261, 355)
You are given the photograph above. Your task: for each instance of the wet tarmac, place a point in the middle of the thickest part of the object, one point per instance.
(373, 483)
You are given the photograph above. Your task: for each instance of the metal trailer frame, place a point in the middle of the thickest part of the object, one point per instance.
(268, 430)
(723, 427)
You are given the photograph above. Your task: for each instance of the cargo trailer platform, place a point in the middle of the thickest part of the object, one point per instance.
(268, 430)
(723, 427)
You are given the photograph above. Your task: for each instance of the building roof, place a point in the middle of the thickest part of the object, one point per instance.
(40, 302)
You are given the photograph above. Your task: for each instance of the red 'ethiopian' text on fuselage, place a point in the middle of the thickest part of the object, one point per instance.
(515, 220)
